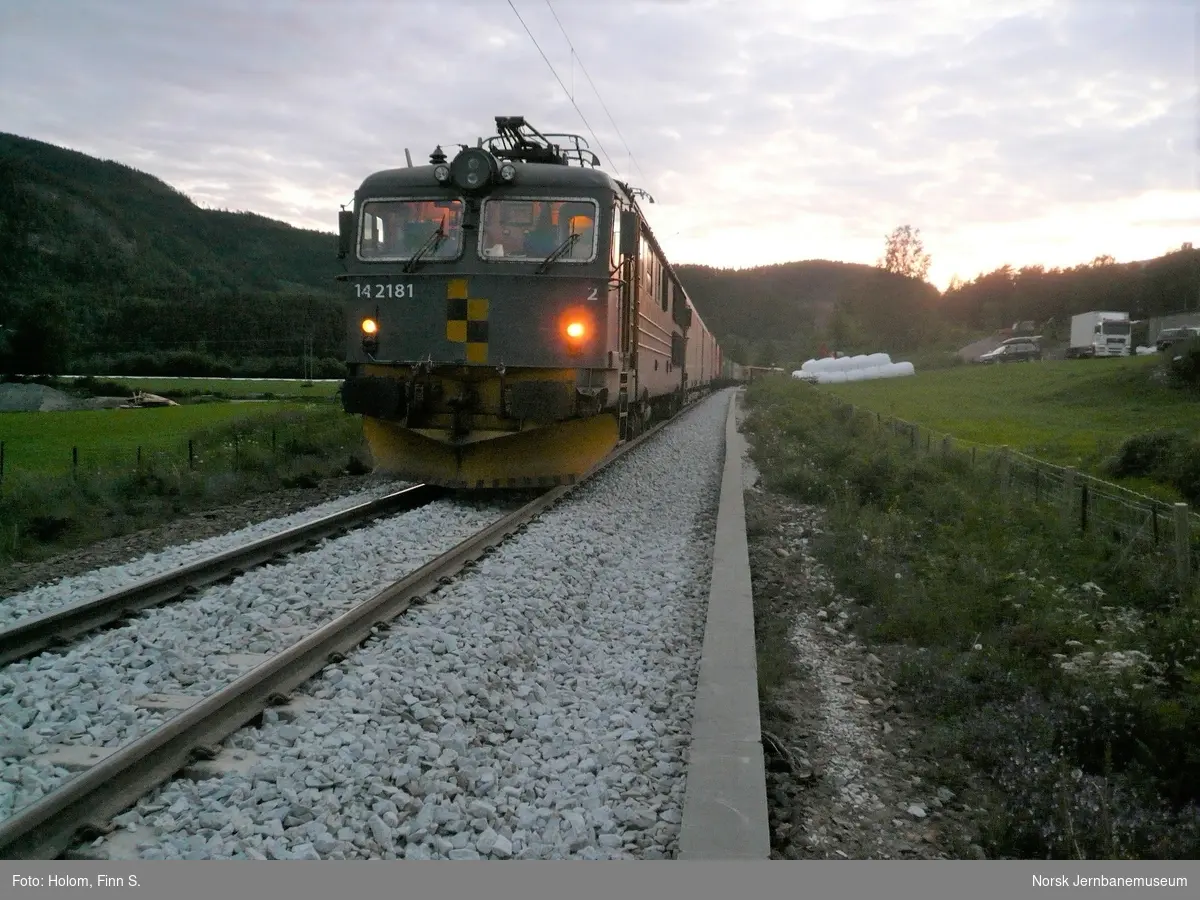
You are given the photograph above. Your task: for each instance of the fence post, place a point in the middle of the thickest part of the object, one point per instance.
(74, 461)
(139, 457)
(1083, 508)
(1068, 494)
(1, 460)
(947, 446)
(191, 455)
(972, 456)
(1183, 545)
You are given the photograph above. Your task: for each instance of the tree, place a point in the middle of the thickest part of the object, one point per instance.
(766, 353)
(16, 223)
(843, 330)
(904, 253)
(37, 338)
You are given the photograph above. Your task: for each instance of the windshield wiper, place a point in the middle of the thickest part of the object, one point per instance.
(558, 251)
(431, 243)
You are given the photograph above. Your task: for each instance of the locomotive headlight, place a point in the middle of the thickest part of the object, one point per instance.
(508, 171)
(442, 173)
(473, 168)
(370, 336)
(576, 329)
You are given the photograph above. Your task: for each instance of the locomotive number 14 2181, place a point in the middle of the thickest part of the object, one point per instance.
(383, 291)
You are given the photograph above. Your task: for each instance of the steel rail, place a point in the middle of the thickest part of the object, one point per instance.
(58, 627)
(82, 807)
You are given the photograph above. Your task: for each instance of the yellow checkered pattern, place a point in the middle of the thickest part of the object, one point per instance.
(467, 320)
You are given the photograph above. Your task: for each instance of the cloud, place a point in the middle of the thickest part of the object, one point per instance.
(768, 130)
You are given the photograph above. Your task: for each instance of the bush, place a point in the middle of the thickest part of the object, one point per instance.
(1167, 456)
(1150, 455)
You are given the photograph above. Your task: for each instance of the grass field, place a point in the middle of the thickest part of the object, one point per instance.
(227, 387)
(238, 450)
(41, 442)
(1070, 412)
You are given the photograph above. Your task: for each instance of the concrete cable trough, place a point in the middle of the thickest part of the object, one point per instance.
(725, 806)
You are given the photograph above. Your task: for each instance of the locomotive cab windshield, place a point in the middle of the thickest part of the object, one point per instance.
(527, 229)
(395, 230)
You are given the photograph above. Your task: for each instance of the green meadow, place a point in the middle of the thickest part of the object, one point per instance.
(1067, 412)
(41, 442)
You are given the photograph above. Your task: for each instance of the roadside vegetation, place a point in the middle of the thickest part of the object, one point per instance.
(1062, 666)
(236, 451)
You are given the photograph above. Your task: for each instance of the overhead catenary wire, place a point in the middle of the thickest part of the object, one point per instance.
(583, 68)
(564, 87)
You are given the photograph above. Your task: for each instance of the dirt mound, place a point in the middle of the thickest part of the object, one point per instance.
(36, 398)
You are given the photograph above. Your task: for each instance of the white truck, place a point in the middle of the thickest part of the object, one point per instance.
(1100, 334)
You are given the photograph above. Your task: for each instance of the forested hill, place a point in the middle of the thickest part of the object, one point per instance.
(107, 223)
(779, 315)
(100, 260)
(787, 308)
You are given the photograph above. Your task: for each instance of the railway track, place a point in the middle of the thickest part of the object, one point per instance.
(80, 809)
(58, 627)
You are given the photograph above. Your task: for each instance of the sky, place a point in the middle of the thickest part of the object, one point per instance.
(1008, 131)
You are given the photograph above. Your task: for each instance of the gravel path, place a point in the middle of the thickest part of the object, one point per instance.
(540, 708)
(86, 695)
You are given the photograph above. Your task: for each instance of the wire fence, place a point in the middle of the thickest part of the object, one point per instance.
(1135, 521)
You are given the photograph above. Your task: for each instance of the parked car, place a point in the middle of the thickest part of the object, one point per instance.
(1013, 351)
(1169, 336)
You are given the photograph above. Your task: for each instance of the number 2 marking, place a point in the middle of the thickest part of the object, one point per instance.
(592, 295)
